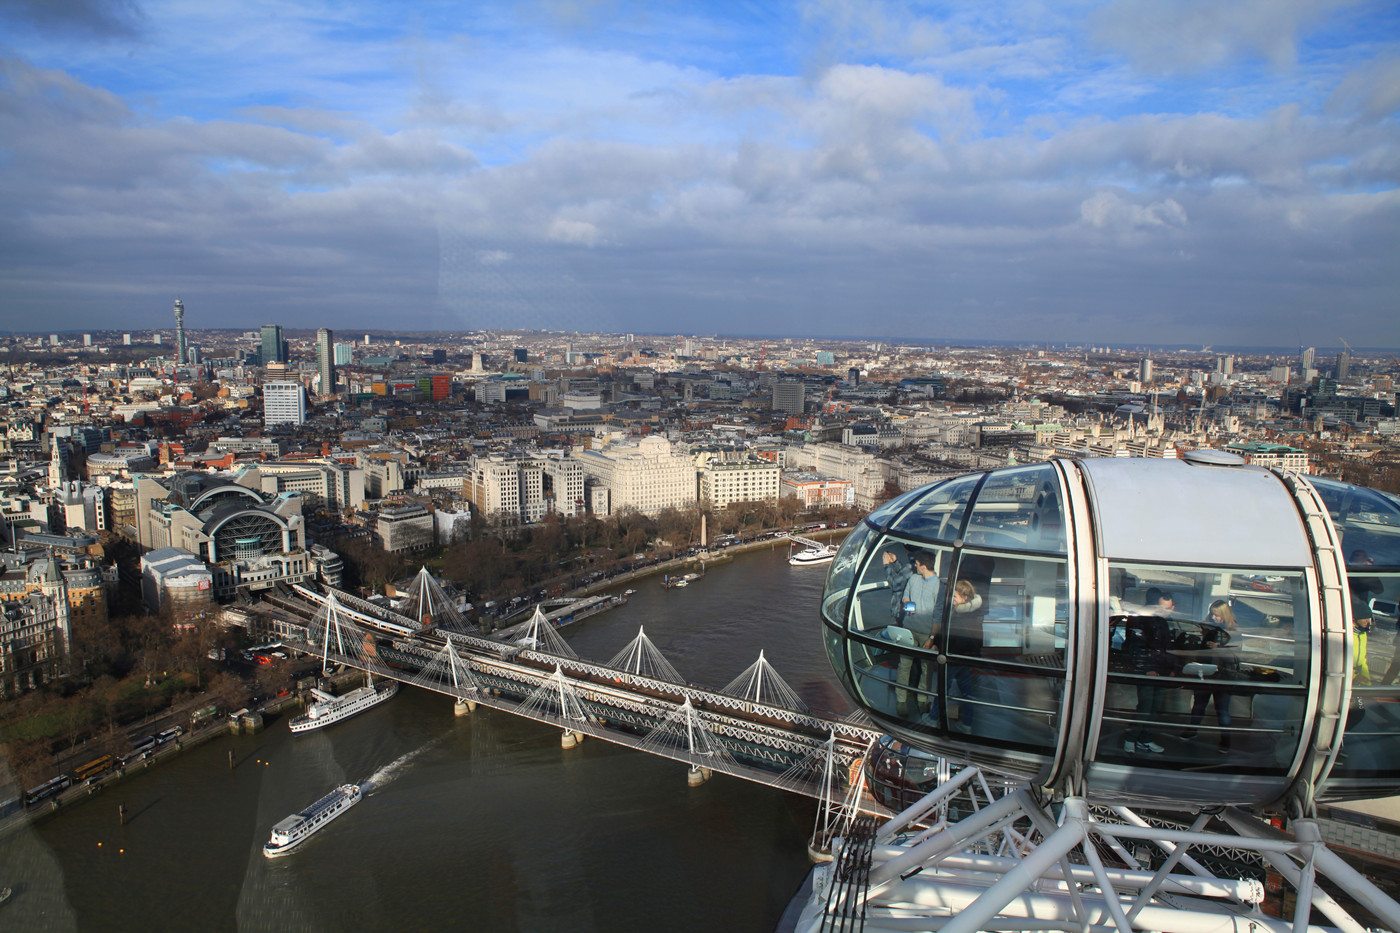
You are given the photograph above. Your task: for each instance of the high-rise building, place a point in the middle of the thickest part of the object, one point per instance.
(1145, 375)
(181, 348)
(1306, 358)
(87, 340)
(344, 354)
(283, 403)
(274, 348)
(1343, 364)
(325, 360)
(789, 395)
(126, 340)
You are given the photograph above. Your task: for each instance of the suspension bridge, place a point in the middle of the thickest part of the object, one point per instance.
(756, 728)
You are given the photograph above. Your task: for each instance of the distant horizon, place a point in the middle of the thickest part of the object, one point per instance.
(1323, 351)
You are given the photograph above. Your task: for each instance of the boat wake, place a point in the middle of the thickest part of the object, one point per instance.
(394, 768)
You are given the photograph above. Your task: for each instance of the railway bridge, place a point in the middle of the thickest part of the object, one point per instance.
(756, 728)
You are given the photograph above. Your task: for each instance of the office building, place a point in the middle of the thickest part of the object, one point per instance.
(274, 348)
(789, 395)
(736, 477)
(344, 354)
(507, 488)
(246, 539)
(283, 403)
(1145, 375)
(325, 360)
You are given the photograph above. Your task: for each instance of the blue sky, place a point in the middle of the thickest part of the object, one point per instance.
(1131, 171)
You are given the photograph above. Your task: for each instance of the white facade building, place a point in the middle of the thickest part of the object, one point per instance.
(506, 488)
(736, 477)
(648, 475)
(284, 403)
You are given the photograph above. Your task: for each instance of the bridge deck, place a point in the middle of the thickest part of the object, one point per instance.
(755, 741)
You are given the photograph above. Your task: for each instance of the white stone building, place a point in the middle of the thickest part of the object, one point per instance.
(647, 475)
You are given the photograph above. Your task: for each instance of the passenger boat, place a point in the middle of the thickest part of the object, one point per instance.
(297, 828)
(813, 555)
(329, 709)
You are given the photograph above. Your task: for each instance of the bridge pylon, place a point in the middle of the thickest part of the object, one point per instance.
(557, 700)
(540, 635)
(685, 736)
(448, 669)
(641, 658)
(760, 683)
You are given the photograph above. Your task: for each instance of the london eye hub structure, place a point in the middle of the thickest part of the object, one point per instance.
(1115, 694)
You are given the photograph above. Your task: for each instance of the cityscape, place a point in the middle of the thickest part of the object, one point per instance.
(363, 456)
(778, 468)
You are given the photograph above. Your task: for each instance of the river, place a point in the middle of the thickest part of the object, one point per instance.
(475, 823)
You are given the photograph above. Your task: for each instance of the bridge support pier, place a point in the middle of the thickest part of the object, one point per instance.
(463, 707)
(570, 738)
(697, 776)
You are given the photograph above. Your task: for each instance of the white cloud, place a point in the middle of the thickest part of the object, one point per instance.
(576, 232)
(1107, 211)
(1188, 35)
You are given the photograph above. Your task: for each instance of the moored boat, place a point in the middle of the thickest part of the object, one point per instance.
(813, 555)
(297, 828)
(329, 709)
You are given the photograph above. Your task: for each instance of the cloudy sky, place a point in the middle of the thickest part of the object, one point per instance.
(1130, 171)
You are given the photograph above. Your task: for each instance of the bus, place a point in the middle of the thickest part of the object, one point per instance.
(170, 735)
(94, 768)
(47, 789)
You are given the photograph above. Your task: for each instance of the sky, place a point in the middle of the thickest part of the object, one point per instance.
(1119, 172)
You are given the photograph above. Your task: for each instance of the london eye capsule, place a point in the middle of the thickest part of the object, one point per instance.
(1185, 632)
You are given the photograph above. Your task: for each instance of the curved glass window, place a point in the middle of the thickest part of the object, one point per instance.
(1369, 523)
(1008, 626)
(247, 536)
(1019, 509)
(1371, 746)
(881, 516)
(843, 571)
(1208, 668)
(939, 515)
(896, 629)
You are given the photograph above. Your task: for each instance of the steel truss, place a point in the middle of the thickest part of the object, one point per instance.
(776, 747)
(1015, 862)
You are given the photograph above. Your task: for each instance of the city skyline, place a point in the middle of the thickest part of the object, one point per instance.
(1118, 173)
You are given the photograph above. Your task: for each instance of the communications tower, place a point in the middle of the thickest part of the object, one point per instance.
(181, 353)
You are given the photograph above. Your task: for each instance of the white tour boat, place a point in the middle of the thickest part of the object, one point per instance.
(330, 709)
(813, 555)
(297, 828)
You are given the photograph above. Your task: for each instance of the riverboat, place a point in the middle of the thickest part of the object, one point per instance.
(670, 582)
(813, 555)
(328, 709)
(297, 828)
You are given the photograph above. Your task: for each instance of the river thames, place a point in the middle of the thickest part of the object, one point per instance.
(475, 823)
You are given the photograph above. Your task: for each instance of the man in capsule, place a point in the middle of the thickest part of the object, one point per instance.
(1147, 646)
(918, 611)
